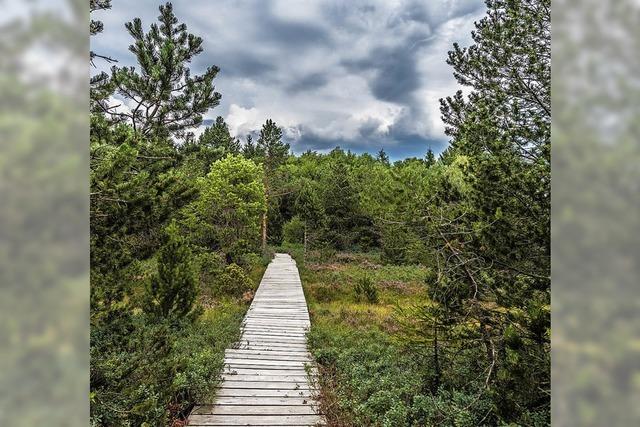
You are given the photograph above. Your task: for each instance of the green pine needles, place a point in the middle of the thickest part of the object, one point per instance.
(173, 290)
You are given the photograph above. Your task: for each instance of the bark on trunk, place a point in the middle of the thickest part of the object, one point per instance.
(264, 232)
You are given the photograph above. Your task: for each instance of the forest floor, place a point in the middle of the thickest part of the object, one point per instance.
(367, 377)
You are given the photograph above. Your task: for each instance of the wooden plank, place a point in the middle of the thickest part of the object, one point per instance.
(265, 372)
(280, 385)
(277, 362)
(258, 392)
(258, 409)
(275, 378)
(234, 352)
(255, 420)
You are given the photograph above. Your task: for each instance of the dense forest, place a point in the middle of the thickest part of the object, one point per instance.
(428, 279)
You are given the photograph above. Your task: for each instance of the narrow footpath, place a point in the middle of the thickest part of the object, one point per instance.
(266, 377)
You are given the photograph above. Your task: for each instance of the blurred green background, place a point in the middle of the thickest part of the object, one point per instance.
(595, 213)
(44, 213)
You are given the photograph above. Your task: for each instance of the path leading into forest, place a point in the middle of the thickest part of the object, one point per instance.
(265, 382)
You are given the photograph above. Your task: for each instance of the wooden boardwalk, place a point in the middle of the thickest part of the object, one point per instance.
(266, 377)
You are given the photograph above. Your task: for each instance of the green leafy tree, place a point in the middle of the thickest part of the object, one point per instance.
(173, 289)
(164, 98)
(228, 213)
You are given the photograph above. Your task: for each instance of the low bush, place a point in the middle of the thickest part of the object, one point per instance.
(210, 265)
(364, 286)
(233, 282)
(147, 371)
(293, 230)
(369, 380)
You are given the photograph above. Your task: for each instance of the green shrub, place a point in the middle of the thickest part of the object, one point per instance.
(251, 260)
(210, 265)
(293, 230)
(369, 380)
(323, 293)
(173, 290)
(327, 254)
(149, 371)
(233, 282)
(364, 286)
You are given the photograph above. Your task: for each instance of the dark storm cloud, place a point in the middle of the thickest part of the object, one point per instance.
(288, 33)
(308, 82)
(395, 74)
(245, 64)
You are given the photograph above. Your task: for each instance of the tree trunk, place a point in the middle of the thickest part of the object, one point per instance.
(264, 232)
(266, 212)
(436, 361)
(305, 239)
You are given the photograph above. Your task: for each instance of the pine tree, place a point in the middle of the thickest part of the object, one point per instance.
(166, 99)
(430, 158)
(270, 146)
(309, 207)
(494, 237)
(249, 150)
(100, 85)
(273, 153)
(340, 201)
(173, 289)
(383, 157)
(218, 137)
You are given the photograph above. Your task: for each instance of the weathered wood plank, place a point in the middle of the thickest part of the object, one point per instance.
(281, 385)
(283, 361)
(261, 392)
(237, 352)
(256, 420)
(253, 408)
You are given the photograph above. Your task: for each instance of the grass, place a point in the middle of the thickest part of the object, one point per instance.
(372, 373)
(366, 375)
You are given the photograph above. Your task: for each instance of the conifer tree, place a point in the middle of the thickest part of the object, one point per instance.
(270, 146)
(166, 99)
(383, 157)
(494, 238)
(249, 150)
(218, 137)
(430, 158)
(100, 85)
(173, 289)
(273, 153)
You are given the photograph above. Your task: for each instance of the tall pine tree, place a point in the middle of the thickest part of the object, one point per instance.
(164, 98)
(273, 152)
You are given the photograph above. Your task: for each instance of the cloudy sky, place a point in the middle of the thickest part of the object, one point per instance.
(359, 74)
